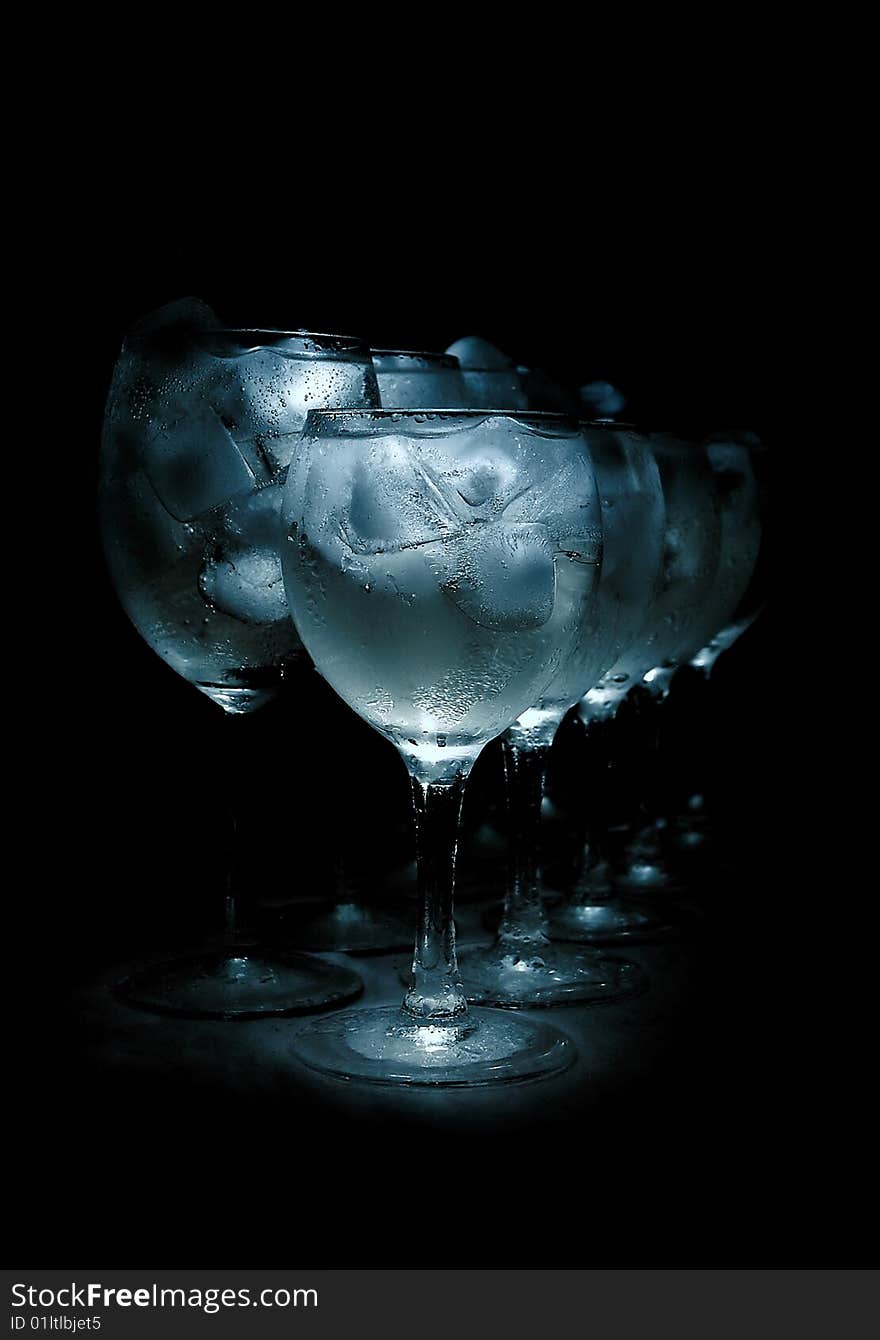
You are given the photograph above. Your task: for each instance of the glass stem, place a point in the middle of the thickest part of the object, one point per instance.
(524, 920)
(339, 885)
(238, 909)
(435, 993)
(593, 881)
(230, 922)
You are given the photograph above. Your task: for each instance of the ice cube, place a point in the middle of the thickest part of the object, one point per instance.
(241, 574)
(481, 482)
(245, 583)
(193, 462)
(395, 502)
(601, 399)
(501, 575)
(264, 395)
(487, 482)
(474, 352)
(256, 519)
(564, 499)
(490, 377)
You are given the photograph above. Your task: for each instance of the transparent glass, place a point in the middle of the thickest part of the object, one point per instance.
(739, 461)
(691, 550)
(718, 537)
(736, 493)
(522, 967)
(200, 427)
(411, 380)
(439, 567)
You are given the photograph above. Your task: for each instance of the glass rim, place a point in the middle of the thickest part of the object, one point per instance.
(429, 355)
(511, 370)
(627, 425)
(445, 412)
(697, 438)
(339, 343)
(355, 341)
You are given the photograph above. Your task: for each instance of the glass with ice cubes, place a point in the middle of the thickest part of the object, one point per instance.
(200, 427)
(439, 566)
(522, 966)
(201, 424)
(684, 608)
(737, 461)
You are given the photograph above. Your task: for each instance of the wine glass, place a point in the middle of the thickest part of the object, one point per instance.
(738, 462)
(439, 566)
(200, 427)
(407, 379)
(522, 967)
(676, 625)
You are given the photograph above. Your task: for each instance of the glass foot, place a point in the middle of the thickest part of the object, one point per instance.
(387, 1046)
(647, 877)
(242, 983)
(691, 836)
(549, 974)
(607, 922)
(349, 928)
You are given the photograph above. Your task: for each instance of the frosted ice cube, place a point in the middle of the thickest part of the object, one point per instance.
(246, 584)
(488, 483)
(479, 470)
(474, 352)
(241, 574)
(193, 463)
(501, 575)
(395, 502)
(256, 519)
(265, 393)
(565, 501)
(601, 399)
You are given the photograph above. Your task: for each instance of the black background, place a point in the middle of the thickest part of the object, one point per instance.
(668, 293)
